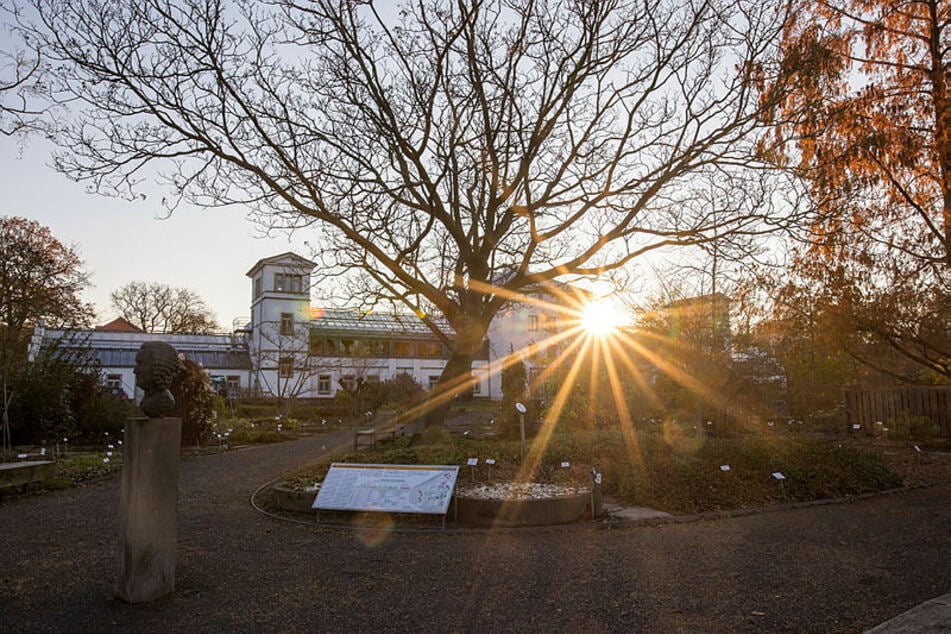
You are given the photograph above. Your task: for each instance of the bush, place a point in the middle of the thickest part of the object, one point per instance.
(194, 402)
(402, 389)
(50, 393)
(907, 427)
(102, 413)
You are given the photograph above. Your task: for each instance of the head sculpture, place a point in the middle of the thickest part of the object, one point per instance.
(156, 364)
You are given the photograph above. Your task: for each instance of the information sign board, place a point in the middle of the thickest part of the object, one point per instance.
(387, 487)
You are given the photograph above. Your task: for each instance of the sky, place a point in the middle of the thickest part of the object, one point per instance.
(206, 251)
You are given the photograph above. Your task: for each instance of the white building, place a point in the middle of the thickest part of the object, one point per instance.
(116, 344)
(535, 330)
(294, 350)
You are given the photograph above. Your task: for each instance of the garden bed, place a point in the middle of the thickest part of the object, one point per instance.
(520, 504)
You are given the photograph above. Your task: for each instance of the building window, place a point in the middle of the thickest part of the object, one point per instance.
(233, 382)
(285, 367)
(287, 323)
(433, 381)
(403, 349)
(114, 385)
(258, 286)
(323, 385)
(532, 323)
(288, 283)
(348, 382)
(430, 350)
(377, 348)
(476, 387)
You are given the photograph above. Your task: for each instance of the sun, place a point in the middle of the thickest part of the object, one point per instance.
(601, 319)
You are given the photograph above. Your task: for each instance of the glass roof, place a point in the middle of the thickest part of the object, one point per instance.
(374, 324)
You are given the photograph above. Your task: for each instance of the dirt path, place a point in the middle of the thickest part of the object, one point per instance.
(837, 568)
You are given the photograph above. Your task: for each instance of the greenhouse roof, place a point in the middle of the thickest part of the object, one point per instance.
(381, 324)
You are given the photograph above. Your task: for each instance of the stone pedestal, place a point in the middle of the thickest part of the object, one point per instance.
(148, 514)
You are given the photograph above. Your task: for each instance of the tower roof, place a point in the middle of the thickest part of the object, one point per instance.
(284, 259)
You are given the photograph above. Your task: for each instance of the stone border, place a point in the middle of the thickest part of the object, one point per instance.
(289, 499)
(467, 511)
(15, 474)
(550, 511)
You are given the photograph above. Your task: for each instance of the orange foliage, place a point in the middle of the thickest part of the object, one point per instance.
(869, 121)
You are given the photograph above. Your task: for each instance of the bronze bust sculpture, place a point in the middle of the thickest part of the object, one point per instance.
(156, 364)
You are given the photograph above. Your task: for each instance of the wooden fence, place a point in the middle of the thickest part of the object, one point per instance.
(900, 405)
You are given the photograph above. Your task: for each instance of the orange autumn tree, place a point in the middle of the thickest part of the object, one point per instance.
(868, 126)
(871, 119)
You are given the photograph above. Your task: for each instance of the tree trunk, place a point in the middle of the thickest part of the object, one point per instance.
(456, 377)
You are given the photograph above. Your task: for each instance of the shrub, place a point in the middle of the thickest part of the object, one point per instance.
(102, 413)
(661, 470)
(49, 394)
(194, 402)
(403, 388)
(907, 426)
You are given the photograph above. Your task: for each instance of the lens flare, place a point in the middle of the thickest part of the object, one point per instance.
(601, 319)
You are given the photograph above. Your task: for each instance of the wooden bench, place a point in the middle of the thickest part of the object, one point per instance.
(369, 437)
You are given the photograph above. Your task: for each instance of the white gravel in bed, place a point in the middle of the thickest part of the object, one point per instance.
(517, 490)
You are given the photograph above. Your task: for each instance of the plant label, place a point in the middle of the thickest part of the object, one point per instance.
(724, 467)
(565, 465)
(472, 462)
(490, 461)
(779, 476)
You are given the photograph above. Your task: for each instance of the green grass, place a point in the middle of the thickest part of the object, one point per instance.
(82, 468)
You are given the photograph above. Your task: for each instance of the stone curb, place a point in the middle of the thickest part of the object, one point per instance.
(605, 524)
(931, 616)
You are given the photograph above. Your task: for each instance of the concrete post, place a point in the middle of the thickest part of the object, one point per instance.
(148, 514)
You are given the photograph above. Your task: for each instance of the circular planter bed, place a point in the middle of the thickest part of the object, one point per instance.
(289, 499)
(520, 505)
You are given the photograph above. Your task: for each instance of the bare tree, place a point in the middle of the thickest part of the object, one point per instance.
(19, 66)
(156, 307)
(281, 363)
(448, 154)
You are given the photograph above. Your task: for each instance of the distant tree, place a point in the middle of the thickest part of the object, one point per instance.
(156, 307)
(809, 335)
(40, 280)
(452, 154)
(281, 363)
(689, 341)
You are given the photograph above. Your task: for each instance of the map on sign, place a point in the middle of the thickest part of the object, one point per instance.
(387, 487)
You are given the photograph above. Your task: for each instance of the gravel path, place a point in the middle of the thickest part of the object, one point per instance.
(834, 568)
